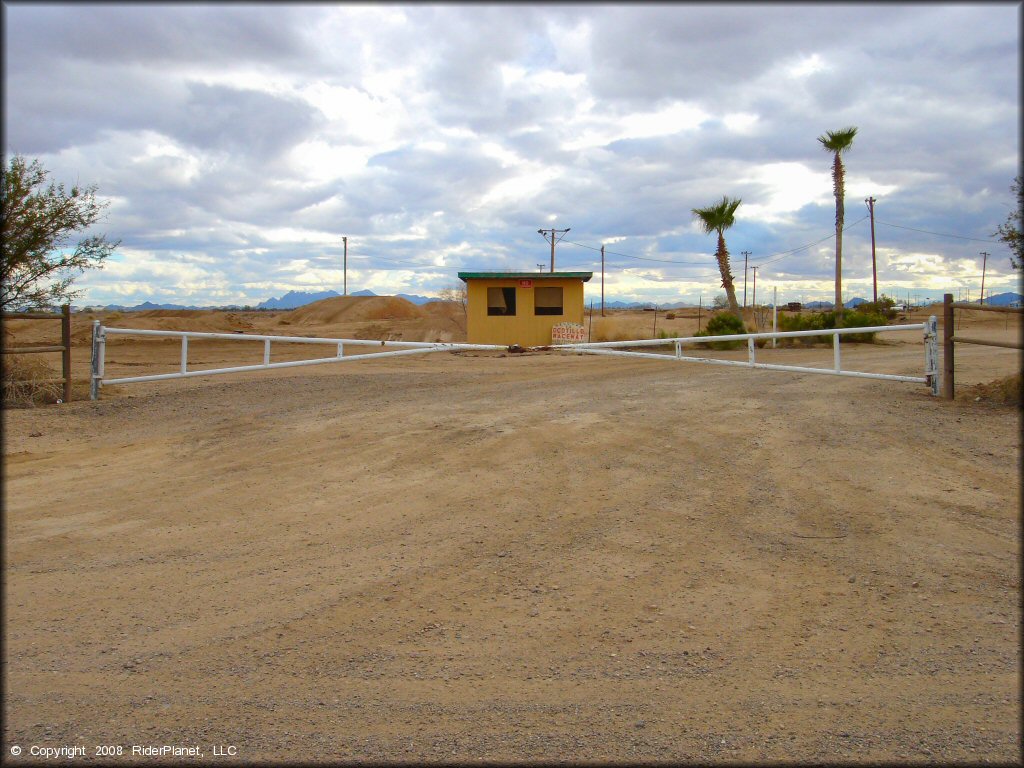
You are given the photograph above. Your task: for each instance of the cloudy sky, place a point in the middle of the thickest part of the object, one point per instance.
(237, 145)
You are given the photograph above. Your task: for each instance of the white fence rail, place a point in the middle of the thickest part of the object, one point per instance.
(100, 333)
(929, 329)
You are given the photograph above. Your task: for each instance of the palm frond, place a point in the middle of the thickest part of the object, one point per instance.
(718, 217)
(838, 141)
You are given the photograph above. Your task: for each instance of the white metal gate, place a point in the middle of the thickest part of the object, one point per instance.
(931, 349)
(100, 333)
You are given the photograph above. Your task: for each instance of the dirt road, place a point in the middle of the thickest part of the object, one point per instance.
(519, 558)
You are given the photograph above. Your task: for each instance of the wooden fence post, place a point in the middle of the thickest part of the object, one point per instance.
(65, 340)
(947, 346)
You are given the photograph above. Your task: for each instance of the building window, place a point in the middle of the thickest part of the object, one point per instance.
(501, 301)
(547, 301)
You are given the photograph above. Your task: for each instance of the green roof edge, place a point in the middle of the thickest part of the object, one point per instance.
(584, 276)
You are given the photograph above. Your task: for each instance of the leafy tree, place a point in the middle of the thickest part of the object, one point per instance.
(838, 142)
(37, 268)
(718, 218)
(1010, 232)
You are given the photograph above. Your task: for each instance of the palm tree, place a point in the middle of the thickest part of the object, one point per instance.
(718, 218)
(838, 142)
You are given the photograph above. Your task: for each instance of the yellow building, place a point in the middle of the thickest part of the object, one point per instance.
(522, 307)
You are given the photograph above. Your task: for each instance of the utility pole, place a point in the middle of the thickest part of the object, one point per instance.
(602, 279)
(345, 267)
(984, 261)
(554, 240)
(753, 300)
(874, 271)
(775, 312)
(540, 267)
(746, 256)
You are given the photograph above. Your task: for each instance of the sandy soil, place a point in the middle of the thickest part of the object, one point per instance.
(536, 557)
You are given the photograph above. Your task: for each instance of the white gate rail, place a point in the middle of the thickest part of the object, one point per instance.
(930, 329)
(100, 333)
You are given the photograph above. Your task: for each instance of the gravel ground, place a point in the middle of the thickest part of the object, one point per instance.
(519, 558)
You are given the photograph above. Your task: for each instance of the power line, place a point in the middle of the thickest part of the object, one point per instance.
(940, 234)
(780, 255)
(783, 254)
(701, 276)
(641, 258)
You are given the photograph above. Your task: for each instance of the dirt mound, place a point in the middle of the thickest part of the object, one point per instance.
(1006, 391)
(185, 313)
(207, 324)
(198, 320)
(446, 309)
(352, 308)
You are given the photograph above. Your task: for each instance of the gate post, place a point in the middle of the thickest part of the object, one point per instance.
(947, 346)
(65, 359)
(94, 365)
(931, 354)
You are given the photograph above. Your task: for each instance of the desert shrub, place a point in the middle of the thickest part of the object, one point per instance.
(724, 324)
(860, 319)
(27, 382)
(670, 316)
(814, 321)
(823, 321)
(663, 334)
(885, 306)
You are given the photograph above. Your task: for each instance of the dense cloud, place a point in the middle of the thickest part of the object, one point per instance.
(238, 144)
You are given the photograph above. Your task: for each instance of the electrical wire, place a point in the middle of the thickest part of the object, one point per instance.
(940, 234)
(783, 254)
(702, 276)
(639, 258)
(771, 259)
(780, 255)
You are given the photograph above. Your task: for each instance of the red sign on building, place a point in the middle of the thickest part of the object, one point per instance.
(526, 283)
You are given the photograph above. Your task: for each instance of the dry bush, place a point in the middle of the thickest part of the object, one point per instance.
(28, 382)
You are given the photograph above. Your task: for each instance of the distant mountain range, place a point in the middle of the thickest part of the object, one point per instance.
(148, 305)
(1003, 300)
(294, 299)
(291, 300)
(688, 305)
